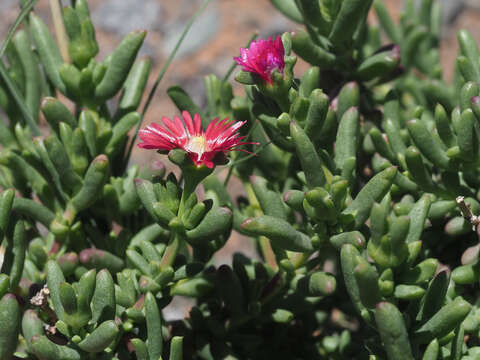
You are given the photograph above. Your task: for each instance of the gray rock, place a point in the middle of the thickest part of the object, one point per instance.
(193, 85)
(473, 4)
(124, 16)
(277, 26)
(178, 308)
(451, 9)
(148, 49)
(204, 29)
(8, 4)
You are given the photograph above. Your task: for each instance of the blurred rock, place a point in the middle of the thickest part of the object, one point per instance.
(451, 9)
(148, 49)
(7, 4)
(277, 26)
(178, 308)
(473, 4)
(203, 30)
(122, 16)
(194, 86)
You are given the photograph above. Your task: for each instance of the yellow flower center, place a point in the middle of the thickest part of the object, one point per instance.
(197, 144)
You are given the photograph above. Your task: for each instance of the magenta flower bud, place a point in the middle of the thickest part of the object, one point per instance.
(203, 147)
(262, 58)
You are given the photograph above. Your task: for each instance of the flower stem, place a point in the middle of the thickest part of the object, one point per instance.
(192, 177)
(171, 251)
(190, 184)
(283, 101)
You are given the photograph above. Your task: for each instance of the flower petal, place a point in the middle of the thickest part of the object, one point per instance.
(220, 136)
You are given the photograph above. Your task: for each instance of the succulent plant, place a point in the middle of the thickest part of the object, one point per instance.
(360, 194)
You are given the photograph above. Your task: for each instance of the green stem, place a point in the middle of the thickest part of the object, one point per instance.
(189, 187)
(283, 101)
(176, 238)
(171, 251)
(229, 175)
(191, 180)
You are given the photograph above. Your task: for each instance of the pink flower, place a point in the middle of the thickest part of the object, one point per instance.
(188, 135)
(262, 57)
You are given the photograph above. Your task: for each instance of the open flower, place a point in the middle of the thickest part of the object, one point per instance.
(188, 135)
(262, 57)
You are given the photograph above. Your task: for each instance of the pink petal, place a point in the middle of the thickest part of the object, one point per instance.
(221, 136)
(188, 122)
(197, 123)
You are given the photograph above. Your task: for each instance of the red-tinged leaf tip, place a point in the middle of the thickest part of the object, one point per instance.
(46, 100)
(55, 247)
(139, 304)
(360, 241)
(475, 100)
(246, 222)
(143, 282)
(330, 286)
(31, 312)
(358, 268)
(101, 158)
(470, 255)
(226, 210)
(34, 338)
(352, 85)
(139, 181)
(68, 258)
(87, 254)
(382, 305)
(395, 53)
(9, 296)
(103, 271)
(333, 104)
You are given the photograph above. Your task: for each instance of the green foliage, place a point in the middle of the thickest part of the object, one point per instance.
(360, 200)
